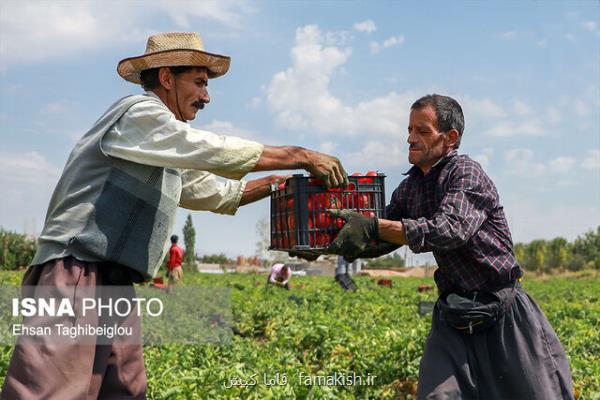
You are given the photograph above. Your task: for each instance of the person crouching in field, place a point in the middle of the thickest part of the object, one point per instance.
(175, 273)
(488, 338)
(116, 202)
(279, 276)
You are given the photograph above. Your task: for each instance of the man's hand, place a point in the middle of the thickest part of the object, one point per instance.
(260, 188)
(358, 233)
(327, 169)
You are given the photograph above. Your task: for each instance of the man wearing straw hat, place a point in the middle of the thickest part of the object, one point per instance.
(114, 206)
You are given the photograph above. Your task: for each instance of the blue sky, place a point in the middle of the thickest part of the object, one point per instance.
(334, 76)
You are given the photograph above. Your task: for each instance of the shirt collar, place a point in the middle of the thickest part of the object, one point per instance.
(154, 95)
(438, 164)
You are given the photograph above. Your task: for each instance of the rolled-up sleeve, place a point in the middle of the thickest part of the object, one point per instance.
(148, 133)
(461, 213)
(202, 191)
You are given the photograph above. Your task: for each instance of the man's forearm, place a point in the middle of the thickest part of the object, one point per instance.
(282, 157)
(392, 231)
(259, 188)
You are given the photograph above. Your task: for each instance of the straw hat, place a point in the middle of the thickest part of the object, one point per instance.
(173, 50)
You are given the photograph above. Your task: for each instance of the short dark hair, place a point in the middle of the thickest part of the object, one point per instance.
(447, 110)
(149, 77)
(174, 239)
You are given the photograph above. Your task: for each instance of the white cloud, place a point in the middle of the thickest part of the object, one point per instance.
(521, 108)
(483, 158)
(520, 162)
(562, 164)
(36, 30)
(485, 108)
(553, 115)
(56, 107)
(376, 155)
(508, 35)
(393, 41)
(228, 128)
(327, 147)
(581, 108)
(530, 127)
(591, 26)
(254, 102)
(389, 42)
(301, 98)
(592, 161)
(30, 167)
(375, 47)
(340, 38)
(229, 13)
(31, 179)
(365, 26)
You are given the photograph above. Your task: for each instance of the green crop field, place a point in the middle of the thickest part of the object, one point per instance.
(318, 329)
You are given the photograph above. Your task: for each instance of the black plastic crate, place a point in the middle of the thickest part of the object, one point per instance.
(299, 218)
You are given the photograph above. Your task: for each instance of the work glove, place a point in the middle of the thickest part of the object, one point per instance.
(306, 255)
(375, 250)
(355, 236)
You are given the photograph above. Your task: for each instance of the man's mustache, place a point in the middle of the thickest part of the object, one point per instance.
(199, 104)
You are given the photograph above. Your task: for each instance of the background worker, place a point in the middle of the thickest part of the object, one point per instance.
(488, 339)
(174, 264)
(116, 201)
(342, 272)
(279, 276)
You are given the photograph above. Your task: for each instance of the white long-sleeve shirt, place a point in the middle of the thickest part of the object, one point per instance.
(148, 133)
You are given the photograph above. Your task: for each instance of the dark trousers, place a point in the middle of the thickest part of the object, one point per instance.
(520, 357)
(48, 370)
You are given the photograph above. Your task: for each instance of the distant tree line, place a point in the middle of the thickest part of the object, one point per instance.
(558, 254)
(16, 250)
(393, 260)
(544, 256)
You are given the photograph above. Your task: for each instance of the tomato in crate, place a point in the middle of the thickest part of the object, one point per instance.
(299, 218)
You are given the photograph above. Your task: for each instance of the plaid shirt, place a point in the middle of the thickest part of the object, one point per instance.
(454, 212)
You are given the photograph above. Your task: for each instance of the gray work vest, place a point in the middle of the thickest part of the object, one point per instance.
(108, 209)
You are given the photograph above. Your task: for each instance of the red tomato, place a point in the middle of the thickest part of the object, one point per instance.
(361, 200)
(371, 173)
(335, 201)
(324, 201)
(339, 223)
(315, 181)
(323, 220)
(311, 224)
(290, 203)
(348, 200)
(291, 222)
(320, 239)
(368, 214)
(282, 186)
(356, 174)
(310, 202)
(351, 186)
